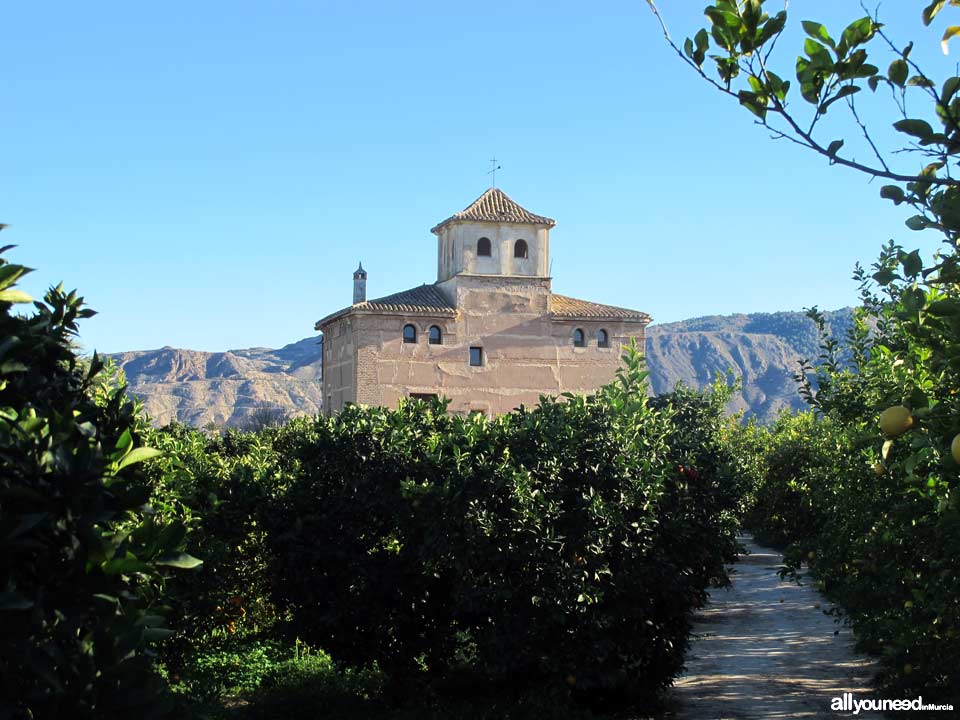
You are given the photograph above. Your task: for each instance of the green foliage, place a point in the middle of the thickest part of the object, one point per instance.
(216, 486)
(702, 500)
(550, 555)
(878, 517)
(529, 549)
(83, 560)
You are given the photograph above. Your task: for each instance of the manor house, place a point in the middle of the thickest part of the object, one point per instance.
(489, 334)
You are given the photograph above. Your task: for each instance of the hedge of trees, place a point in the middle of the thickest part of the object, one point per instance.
(864, 489)
(410, 563)
(84, 561)
(403, 559)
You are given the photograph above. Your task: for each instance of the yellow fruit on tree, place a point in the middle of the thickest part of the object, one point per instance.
(879, 469)
(571, 680)
(896, 420)
(955, 448)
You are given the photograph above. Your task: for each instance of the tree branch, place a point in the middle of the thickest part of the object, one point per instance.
(801, 137)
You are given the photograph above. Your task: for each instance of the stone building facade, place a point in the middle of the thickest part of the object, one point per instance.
(489, 334)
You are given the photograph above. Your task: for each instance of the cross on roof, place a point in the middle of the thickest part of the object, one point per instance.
(493, 171)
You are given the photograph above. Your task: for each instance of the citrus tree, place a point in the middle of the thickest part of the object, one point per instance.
(890, 550)
(83, 559)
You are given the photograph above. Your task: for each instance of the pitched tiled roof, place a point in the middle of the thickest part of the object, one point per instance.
(426, 299)
(495, 206)
(563, 307)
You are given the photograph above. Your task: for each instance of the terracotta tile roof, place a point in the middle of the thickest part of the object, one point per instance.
(495, 206)
(563, 307)
(426, 299)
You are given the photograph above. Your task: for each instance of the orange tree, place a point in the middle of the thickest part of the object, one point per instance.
(883, 532)
(557, 546)
(83, 559)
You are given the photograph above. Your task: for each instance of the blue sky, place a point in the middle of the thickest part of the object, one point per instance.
(209, 174)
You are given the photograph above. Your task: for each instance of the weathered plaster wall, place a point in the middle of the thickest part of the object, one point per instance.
(457, 249)
(339, 366)
(526, 354)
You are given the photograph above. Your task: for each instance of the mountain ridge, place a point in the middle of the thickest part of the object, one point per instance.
(235, 387)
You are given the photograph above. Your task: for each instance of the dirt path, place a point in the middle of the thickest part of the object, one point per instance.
(764, 649)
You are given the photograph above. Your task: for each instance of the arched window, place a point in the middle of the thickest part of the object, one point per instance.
(520, 250)
(436, 335)
(409, 334)
(483, 247)
(603, 340)
(578, 338)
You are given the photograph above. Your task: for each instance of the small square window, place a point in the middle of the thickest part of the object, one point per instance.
(476, 356)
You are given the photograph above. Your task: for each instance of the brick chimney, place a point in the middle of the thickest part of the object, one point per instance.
(359, 285)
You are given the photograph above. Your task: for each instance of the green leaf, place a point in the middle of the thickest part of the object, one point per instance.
(912, 264)
(942, 308)
(845, 91)
(772, 27)
(917, 222)
(950, 87)
(138, 455)
(27, 522)
(777, 86)
(834, 147)
(892, 192)
(897, 72)
(917, 128)
(14, 296)
(150, 620)
(813, 49)
(14, 601)
(818, 32)
(723, 17)
(125, 440)
(884, 277)
(180, 560)
(702, 40)
(947, 34)
(9, 274)
(755, 103)
(171, 536)
(930, 12)
(124, 566)
(857, 33)
(155, 634)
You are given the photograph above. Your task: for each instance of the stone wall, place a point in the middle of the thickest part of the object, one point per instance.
(339, 369)
(526, 353)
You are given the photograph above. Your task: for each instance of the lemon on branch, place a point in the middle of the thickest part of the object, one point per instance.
(896, 420)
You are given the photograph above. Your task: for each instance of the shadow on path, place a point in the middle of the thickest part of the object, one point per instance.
(765, 649)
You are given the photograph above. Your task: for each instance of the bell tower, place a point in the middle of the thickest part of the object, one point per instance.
(493, 236)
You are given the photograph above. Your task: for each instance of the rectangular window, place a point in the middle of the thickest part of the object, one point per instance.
(426, 397)
(476, 356)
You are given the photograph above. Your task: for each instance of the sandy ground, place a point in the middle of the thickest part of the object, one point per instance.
(765, 649)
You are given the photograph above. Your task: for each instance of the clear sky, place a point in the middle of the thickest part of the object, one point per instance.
(208, 174)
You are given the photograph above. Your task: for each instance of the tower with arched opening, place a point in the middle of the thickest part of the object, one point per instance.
(489, 333)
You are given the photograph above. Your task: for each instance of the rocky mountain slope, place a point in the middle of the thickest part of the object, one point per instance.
(764, 349)
(230, 388)
(239, 387)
